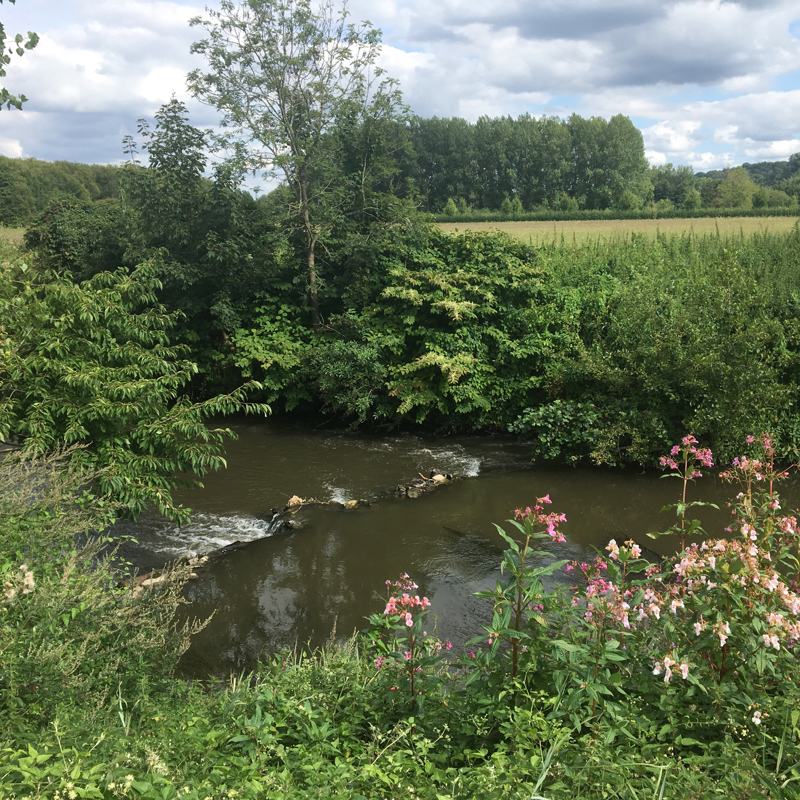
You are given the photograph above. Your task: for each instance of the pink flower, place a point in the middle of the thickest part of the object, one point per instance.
(409, 619)
(684, 668)
(757, 718)
(723, 632)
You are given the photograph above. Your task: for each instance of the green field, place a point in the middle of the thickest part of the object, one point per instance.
(581, 230)
(13, 235)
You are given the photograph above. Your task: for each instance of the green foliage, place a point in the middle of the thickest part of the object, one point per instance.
(770, 173)
(16, 199)
(736, 190)
(70, 636)
(29, 187)
(216, 248)
(454, 336)
(657, 680)
(6, 53)
(316, 110)
(79, 238)
(92, 363)
(676, 333)
(692, 200)
(530, 159)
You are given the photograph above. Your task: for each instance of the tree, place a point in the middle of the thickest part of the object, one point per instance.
(216, 248)
(91, 364)
(284, 76)
(671, 183)
(16, 199)
(445, 163)
(737, 190)
(692, 200)
(18, 48)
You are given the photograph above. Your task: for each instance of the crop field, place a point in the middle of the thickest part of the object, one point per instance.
(580, 230)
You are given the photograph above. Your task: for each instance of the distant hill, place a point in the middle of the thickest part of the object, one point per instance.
(28, 186)
(764, 173)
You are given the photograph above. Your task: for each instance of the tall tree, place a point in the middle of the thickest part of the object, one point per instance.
(215, 247)
(671, 183)
(737, 190)
(284, 74)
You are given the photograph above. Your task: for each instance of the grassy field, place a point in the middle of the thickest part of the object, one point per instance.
(13, 235)
(581, 230)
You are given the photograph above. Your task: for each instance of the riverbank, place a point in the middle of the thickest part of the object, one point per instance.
(673, 679)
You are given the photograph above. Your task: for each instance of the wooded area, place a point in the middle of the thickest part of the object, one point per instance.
(457, 169)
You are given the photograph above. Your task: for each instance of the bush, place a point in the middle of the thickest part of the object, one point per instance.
(71, 636)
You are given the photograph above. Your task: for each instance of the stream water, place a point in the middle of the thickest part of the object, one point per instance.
(284, 589)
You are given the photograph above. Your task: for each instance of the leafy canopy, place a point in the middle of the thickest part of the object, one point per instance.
(92, 364)
(286, 77)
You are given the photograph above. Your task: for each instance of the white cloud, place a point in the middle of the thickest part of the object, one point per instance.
(12, 148)
(673, 136)
(774, 151)
(726, 134)
(102, 65)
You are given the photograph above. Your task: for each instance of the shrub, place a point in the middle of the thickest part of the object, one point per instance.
(72, 636)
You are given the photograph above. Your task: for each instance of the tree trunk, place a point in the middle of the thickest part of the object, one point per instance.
(312, 289)
(311, 269)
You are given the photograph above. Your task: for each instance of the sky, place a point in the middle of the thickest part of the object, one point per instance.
(710, 83)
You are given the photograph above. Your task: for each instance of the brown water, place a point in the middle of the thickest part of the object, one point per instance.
(287, 589)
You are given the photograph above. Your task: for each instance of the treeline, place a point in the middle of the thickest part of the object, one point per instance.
(29, 186)
(528, 167)
(529, 162)
(751, 186)
(536, 165)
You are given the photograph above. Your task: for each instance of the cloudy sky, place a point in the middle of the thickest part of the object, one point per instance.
(711, 83)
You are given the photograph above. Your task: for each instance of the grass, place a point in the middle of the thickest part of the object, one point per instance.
(582, 230)
(11, 235)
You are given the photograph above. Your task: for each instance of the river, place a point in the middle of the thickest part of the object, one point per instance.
(295, 588)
